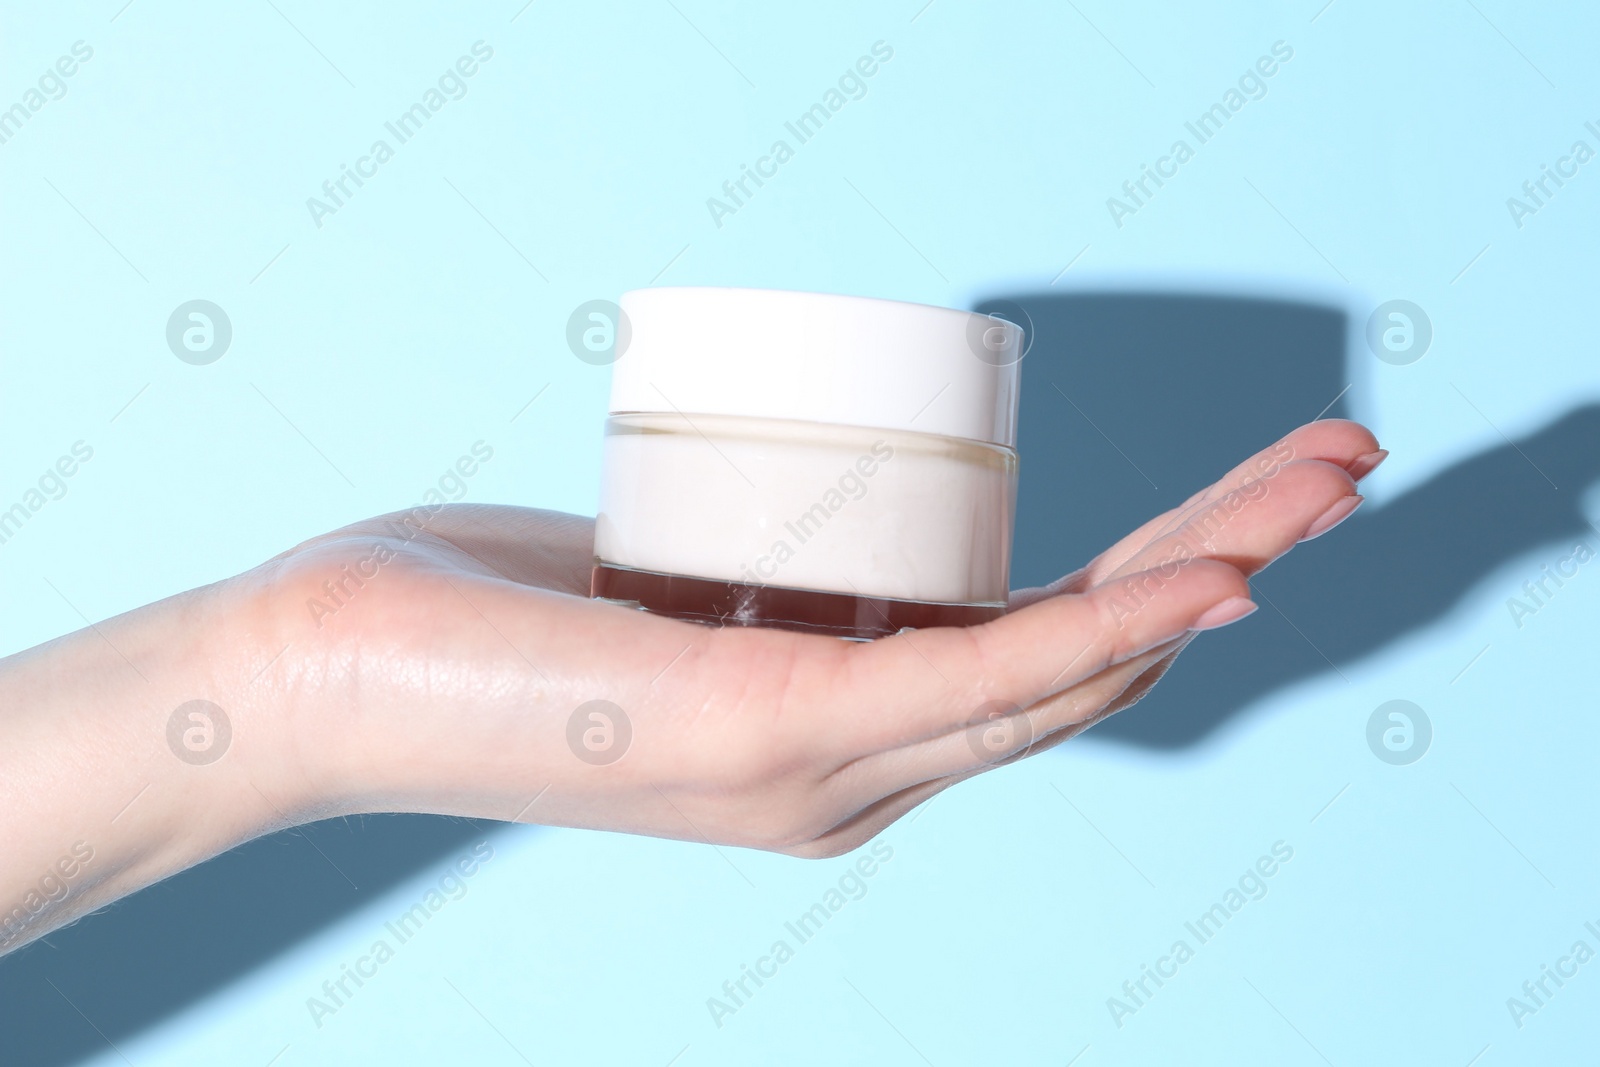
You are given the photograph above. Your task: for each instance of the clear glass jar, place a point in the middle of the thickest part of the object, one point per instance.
(828, 464)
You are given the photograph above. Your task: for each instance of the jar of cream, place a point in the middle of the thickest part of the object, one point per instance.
(828, 464)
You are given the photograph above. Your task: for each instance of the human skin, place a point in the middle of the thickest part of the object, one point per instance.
(445, 683)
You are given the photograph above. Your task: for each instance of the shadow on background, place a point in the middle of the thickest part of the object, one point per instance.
(1133, 401)
(112, 975)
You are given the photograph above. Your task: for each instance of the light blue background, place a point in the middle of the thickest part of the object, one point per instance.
(415, 321)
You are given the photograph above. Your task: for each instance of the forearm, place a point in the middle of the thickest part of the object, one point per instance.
(95, 799)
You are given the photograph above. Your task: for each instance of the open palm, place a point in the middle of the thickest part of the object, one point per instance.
(456, 664)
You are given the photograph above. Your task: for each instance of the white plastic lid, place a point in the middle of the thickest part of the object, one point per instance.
(768, 353)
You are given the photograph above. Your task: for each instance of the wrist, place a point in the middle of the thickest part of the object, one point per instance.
(205, 753)
(324, 727)
(129, 752)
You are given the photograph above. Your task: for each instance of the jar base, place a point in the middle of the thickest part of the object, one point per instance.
(723, 603)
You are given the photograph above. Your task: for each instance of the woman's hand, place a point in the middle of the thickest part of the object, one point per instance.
(451, 662)
(449, 681)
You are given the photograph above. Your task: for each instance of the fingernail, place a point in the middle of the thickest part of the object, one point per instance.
(1333, 517)
(1365, 465)
(1231, 610)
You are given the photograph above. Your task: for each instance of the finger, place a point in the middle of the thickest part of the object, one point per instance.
(1134, 692)
(923, 684)
(1053, 722)
(1094, 700)
(1135, 679)
(873, 819)
(1347, 445)
(1140, 686)
(1146, 672)
(877, 814)
(1252, 525)
(975, 746)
